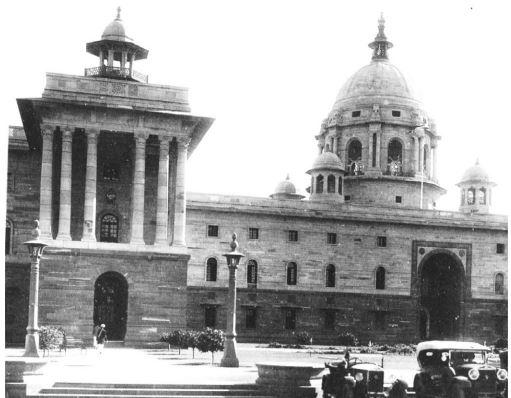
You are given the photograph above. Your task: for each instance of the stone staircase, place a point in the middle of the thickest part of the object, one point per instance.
(87, 390)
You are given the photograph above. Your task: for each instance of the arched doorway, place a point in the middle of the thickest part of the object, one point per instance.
(442, 282)
(111, 304)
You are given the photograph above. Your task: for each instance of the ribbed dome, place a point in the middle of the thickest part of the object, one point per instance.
(115, 30)
(475, 173)
(327, 160)
(286, 187)
(379, 78)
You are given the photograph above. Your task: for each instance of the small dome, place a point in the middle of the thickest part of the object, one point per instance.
(475, 174)
(286, 187)
(327, 160)
(115, 30)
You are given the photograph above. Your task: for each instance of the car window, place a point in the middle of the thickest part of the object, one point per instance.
(461, 357)
(433, 357)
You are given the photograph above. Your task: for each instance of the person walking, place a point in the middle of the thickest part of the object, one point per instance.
(95, 331)
(101, 338)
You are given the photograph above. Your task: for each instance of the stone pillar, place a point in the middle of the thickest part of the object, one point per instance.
(421, 154)
(162, 205)
(132, 59)
(101, 58)
(230, 359)
(89, 214)
(434, 162)
(110, 58)
(378, 152)
(335, 145)
(65, 186)
(46, 192)
(416, 167)
(180, 203)
(32, 336)
(124, 57)
(137, 215)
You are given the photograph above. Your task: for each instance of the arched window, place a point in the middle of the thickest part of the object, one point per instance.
(211, 267)
(330, 184)
(330, 275)
(319, 184)
(395, 157)
(291, 273)
(8, 236)
(380, 278)
(339, 187)
(109, 229)
(482, 196)
(499, 283)
(252, 272)
(354, 157)
(471, 196)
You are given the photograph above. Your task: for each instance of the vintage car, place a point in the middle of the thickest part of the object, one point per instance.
(456, 369)
(352, 378)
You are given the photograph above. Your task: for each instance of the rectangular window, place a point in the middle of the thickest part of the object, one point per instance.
(381, 241)
(399, 199)
(331, 238)
(329, 319)
(290, 319)
(210, 317)
(292, 236)
(213, 230)
(347, 198)
(253, 233)
(355, 114)
(250, 318)
(379, 320)
(396, 113)
(374, 149)
(501, 248)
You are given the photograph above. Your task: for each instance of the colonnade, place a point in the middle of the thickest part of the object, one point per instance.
(137, 215)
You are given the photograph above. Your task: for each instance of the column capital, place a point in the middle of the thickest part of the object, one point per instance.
(183, 142)
(141, 135)
(92, 132)
(67, 133)
(47, 129)
(164, 139)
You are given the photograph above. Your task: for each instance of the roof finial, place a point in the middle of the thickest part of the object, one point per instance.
(287, 177)
(118, 13)
(380, 45)
(477, 161)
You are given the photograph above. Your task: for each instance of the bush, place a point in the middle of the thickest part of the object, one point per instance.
(500, 343)
(192, 340)
(210, 340)
(51, 338)
(347, 339)
(303, 338)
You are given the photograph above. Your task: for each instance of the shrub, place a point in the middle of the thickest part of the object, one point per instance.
(51, 338)
(500, 343)
(210, 340)
(192, 340)
(274, 344)
(303, 338)
(347, 339)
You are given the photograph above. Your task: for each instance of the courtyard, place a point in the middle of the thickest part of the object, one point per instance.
(162, 366)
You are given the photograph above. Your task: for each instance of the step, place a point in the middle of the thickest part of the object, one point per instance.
(148, 395)
(156, 392)
(245, 386)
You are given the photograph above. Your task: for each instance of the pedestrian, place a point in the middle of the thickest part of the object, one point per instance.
(101, 338)
(95, 331)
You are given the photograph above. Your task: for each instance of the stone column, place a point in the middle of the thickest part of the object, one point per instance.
(416, 167)
(132, 59)
(421, 154)
(46, 192)
(137, 216)
(65, 186)
(32, 336)
(89, 214)
(162, 205)
(110, 58)
(180, 203)
(378, 152)
(434, 162)
(101, 58)
(335, 145)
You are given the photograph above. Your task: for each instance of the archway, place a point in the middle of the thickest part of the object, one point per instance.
(442, 280)
(111, 304)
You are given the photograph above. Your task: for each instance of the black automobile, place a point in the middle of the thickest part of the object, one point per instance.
(352, 378)
(456, 369)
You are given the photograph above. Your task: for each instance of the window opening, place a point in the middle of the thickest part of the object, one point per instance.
(210, 317)
(339, 186)
(252, 272)
(211, 269)
(399, 199)
(319, 184)
(253, 233)
(213, 230)
(109, 229)
(395, 158)
(291, 273)
(499, 283)
(290, 319)
(331, 238)
(501, 248)
(380, 278)
(292, 236)
(396, 113)
(374, 149)
(250, 318)
(482, 196)
(355, 114)
(330, 275)
(381, 241)
(330, 184)
(471, 196)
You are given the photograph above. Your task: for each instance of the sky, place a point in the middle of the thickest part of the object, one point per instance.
(269, 72)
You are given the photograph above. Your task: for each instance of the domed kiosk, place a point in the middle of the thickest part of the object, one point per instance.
(475, 187)
(326, 178)
(384, 139)
(286, 190)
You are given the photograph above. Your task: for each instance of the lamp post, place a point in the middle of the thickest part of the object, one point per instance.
(229, 359)
(35, 249)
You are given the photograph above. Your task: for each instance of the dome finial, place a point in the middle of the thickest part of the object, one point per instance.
(287, 177)
(477, 161)
(380, 45)
(118, 13)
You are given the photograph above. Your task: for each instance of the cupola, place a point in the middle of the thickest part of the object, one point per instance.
(475, 189)
(286, 190)
(327, 178)
(116, 52)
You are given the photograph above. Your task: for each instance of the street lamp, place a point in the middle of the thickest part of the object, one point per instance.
(229, 359)
(35, 250)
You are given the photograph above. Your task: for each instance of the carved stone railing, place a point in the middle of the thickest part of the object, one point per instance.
(115, 72)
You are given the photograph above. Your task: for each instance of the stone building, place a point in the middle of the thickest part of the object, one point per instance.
(100, 160)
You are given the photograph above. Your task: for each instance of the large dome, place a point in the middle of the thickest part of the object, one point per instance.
(327, 160)
(379, 78)
(115, 30)
(475, 174)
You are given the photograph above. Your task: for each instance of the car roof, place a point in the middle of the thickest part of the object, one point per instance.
(450, 345)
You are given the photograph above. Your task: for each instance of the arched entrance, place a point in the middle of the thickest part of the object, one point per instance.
(111, 304)
(442, 282)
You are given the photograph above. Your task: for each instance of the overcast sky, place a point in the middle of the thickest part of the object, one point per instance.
(269, 72)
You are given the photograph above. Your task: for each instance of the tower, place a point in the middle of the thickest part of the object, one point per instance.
(382, 136)
(475, 190)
